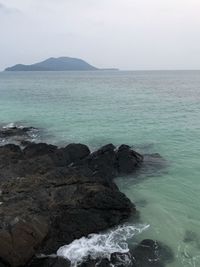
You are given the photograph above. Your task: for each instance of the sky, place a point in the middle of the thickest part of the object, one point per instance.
(126, 34)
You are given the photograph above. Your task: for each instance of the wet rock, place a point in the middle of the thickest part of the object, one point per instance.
(99, 206)
(40, 158)
(20, 239)
(60, 262)
(17, 134)
(65, 201)
(11, 148)
(97, 262)
(9, 156)
(127, 159)
(25, 143)
(150, 253)
(3, 264)
(76, 152)
(40, 149)
(9, 152)
(49, 262)
(14, 131)
(122, 260)
(102, 161)
(51, 196)
(110, 162)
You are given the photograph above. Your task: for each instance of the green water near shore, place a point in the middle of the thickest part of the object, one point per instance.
(154, 111)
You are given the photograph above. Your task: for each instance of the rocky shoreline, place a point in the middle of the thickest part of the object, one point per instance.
(51, 196)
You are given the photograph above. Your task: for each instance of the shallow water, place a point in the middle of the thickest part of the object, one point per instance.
(154, 111)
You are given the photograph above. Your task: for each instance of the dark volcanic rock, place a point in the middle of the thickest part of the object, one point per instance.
(17, 134)
(150, 253)
(110, 162)
(9, 152)
(15, 131)
(102, 162)
(40, 149)
(49, 262)
(76, 152)
(3, 265)
(127, 159)
(20, 238)
(64, 209)
(51, 196)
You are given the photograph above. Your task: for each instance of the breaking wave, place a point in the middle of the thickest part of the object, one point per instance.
(100, 246)
(31, 134)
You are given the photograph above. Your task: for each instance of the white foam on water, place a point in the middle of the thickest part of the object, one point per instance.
(9, 126)
(100, 246)
(188, 255)
(32, 135)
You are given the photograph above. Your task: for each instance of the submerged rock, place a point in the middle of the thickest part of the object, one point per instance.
(190, 236)
(154, 163)
(15, 131)
(19, 135)
(51, 196)
(150, 253)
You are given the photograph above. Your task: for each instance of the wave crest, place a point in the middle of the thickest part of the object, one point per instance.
(100, 246)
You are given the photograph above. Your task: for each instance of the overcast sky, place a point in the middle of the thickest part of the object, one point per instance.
(127, 34)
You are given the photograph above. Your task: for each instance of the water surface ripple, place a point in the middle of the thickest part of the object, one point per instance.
(157, 112)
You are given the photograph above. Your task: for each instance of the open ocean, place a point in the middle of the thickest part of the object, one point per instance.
(153, 111)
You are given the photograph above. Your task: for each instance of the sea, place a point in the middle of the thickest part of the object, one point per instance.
(152, 111)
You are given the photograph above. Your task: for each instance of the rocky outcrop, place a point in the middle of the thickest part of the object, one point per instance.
(107, 162)
(15, 131)
(19, 135)
(110, 161)
(51, 196)
(127, 160)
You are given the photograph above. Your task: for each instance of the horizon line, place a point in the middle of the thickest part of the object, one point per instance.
(108, 69)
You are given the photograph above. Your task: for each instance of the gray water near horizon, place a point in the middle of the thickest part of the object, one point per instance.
(154, 111)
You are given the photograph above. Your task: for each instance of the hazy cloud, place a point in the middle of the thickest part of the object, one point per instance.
(8, 10)
(129, 34)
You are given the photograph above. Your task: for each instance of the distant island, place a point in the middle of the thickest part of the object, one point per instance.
(57, 64)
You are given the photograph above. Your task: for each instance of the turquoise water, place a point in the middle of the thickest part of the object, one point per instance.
(154, 111)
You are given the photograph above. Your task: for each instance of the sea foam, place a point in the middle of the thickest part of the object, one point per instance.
(100, 246)
(32, 135)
